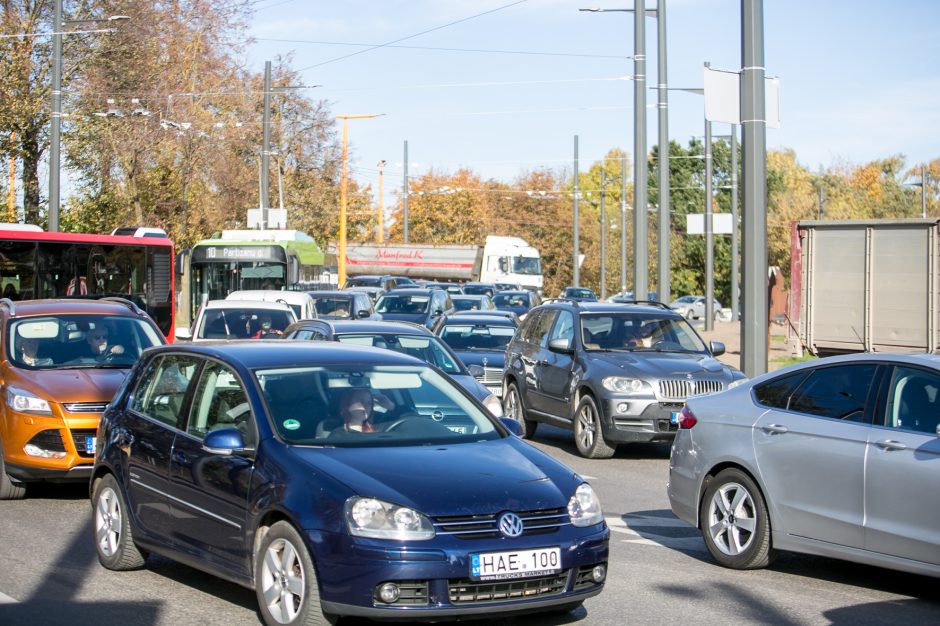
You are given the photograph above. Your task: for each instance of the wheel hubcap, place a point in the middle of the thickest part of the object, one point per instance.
(586, 423)
(732, 519)
(283, 581)
(108, 522)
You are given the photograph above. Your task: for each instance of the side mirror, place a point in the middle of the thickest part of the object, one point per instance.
(438, 312)
(223, 441)
(717, 348)
(512, 426)
(183, 333)
(504, 264)
(564, 345)
(362, 313)
(476, 370)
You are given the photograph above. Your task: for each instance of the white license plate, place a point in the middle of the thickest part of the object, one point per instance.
(90, 443)
(521, 564)
(496, 391)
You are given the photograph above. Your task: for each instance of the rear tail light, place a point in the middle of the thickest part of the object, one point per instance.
(687, 418)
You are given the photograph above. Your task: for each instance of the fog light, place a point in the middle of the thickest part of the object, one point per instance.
(389, 592)
(34, 450)
(599, 573)
(623, 407)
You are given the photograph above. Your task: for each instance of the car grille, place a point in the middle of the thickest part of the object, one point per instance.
(79, 435)
(471, 591)
(680, 389)
(484, 526)
(50, 440)
(491, 376)
(85, 407)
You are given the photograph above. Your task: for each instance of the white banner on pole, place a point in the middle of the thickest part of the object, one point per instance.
(721, 224)
(723, 98)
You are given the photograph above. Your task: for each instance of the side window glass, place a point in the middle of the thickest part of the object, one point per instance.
(564, 327)
(220, 402)
(544, 326)
(527, 332)
(776, 393)
(162, 389)
(914, 401)
(836, 392)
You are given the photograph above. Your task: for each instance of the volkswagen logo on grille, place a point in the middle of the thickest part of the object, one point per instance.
(510, 525)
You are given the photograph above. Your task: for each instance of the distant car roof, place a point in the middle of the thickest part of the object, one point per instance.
(366, 326)
(269, 295)
(247, 304)
(336, 293)
(413, 292)
(475, 317)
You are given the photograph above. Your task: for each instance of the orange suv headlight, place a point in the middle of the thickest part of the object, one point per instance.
(25, 402)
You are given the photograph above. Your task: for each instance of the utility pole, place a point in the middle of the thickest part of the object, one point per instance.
(623, 225)
(380, 220)
(734, 224)
(665, 264)
(640, 202)
(55, 138)
(266, 147)
(404, 202)
(603, 234)
(709, 233)
(577, 242)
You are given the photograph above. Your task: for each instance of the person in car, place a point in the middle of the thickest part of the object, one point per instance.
(29, 349)
(266, 329)
(357, 406)
(99, 345)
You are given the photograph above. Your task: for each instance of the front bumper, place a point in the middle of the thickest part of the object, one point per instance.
(435, 582)
(644, 420)
(68, 436)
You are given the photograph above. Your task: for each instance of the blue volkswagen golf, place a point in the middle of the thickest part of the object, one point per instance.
(338, 480)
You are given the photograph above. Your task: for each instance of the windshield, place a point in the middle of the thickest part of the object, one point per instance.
(478, 290)
(466, 304)
(526, 265)
(579, 293)
(639, 332)
(370, 406)
(79, 341)
(504, 300)
(239, 323)
(485, 337)
(333, 307)
(426, 348)
(403, 304)
(362, 281)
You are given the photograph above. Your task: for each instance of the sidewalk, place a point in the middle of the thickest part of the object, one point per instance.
(729, 333)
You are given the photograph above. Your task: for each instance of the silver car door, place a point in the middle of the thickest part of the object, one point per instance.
(902, 485)
(811, 455)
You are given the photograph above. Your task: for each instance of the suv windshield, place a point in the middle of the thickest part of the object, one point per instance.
(56, 341)
(492, 338)
(372, 406)
(402, 304)
(639, 331)
(426, 348)
(333, 306)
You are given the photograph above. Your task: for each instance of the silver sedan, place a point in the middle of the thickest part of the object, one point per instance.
(838, 457)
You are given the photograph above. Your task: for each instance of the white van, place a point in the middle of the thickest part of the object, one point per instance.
(300, 301)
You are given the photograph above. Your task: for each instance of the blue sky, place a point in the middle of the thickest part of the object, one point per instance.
(859, 79)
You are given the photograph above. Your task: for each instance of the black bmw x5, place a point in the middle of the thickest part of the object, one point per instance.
(612, 373)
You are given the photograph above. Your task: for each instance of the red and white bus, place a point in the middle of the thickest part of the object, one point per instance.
(37, 264)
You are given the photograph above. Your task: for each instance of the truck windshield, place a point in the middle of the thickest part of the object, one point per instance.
(526, 265)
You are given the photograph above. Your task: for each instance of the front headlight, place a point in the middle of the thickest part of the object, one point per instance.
(369, 517)
(584, 508)
(621, 384)
(25, 402)
(493, 405)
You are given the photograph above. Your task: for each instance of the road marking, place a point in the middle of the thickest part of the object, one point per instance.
(5, 599)
(635, 526)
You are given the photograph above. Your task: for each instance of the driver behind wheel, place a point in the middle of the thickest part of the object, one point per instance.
(357, 406)
(99, 345)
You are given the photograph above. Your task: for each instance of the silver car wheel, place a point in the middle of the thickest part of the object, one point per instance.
(732, 519)
(587, 419)
(283, 582)
(512, 407)
(108, 522)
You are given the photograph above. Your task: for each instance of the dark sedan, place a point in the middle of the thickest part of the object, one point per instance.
(234, 459)
(519, 302)
(480, 340)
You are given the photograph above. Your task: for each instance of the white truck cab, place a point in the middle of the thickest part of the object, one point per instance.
(511, 260)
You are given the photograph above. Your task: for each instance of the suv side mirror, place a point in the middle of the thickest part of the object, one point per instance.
(717, 348)
(363, 313)
(560, 345)
(476, 370)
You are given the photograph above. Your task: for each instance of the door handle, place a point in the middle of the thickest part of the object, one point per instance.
(890, 444)
(775, 429)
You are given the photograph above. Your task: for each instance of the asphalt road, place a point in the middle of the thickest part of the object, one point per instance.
(660, 572)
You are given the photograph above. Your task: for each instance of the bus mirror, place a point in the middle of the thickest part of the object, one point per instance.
(504, 264)
(293, 270)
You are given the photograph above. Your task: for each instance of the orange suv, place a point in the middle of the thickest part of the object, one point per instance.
(61, 362)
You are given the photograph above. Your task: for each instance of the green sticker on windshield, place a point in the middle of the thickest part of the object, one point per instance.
(291, 424)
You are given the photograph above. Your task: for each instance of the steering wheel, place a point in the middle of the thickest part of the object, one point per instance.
(406, 417)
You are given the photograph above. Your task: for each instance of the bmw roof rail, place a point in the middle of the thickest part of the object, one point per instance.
(568, 300)
(661, 305)
(128, 303)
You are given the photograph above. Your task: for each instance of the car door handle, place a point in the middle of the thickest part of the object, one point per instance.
(890, 444)
(775, 429)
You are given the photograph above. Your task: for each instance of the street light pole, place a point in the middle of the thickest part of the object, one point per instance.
(623, 225)
(576, 281)
(603, 234)
(264, 200)
(55, 138)
(380, 221)
(709, 237)
(343, 182)
(640, 202)
(404, 202)
(665, 220)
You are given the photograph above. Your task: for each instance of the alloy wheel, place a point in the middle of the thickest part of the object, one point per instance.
(108, 522)
(732, 519)
(283, 581)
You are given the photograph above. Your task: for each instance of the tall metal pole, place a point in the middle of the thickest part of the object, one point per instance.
(640, 218)
(665, 269)
(380, 219)
(55, 137)
(342, 209)
(577, 235)
(754, 173)
(404, 203)
(734, 223)
(266, 152)
(623, 224)
(709, 233)
(923, 191)
(603, 235)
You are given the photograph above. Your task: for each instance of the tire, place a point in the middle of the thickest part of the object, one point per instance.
(689, 314)
(734, 521)
(515, 409)
(286, 582)
(9, 490)
(588, 433)
(114, 541)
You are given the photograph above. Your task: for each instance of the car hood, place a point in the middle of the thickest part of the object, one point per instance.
(483, 358)
(75, 385)
(461, 479)
(662, 364)
(417, 318)
(471, 385)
